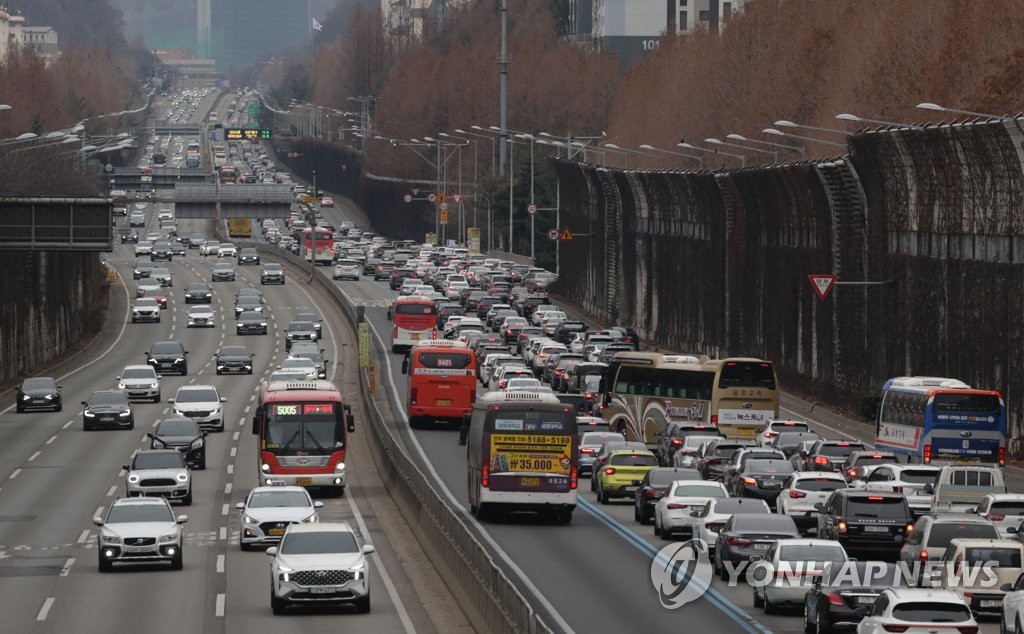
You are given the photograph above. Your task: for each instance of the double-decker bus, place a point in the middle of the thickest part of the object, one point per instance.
(303, 431)
(935, 420)
(442, 381)
(522, 455)
(318, 246)
(414, 319)
(745, 395)
(642, 392)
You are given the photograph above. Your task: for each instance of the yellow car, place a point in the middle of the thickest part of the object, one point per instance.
(621, 475)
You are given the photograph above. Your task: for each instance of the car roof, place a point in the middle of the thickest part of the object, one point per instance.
(983, 542)
(321, 527)
(278, 488)
(140, 501)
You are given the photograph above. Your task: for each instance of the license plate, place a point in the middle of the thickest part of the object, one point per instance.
(443, 402)
(966, 461)
(772, 485)
(990, 603)
(876, 529)
(745, 431)
(276, 531)
(415, 336)
(322, 590)
(630, 489)
(865, 600)
(761, 546)
(529, 482)
(137, 549)
(304, 482)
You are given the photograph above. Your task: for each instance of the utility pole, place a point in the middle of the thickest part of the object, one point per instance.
(503, 61)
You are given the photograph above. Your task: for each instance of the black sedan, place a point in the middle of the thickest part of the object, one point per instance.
(183, 434)
(251, 322)
(248, 256)
(223, 272)
(762, 479)
(198, 293)
(747, 534)
(234, 360)
(130, 237)
(654, 486)
(40, 392)
(832, 602)
(142, 269)
(108, 408)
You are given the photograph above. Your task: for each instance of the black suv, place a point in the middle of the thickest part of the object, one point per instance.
(248, 255)
(869, 522)
(40, 392)
(198, 293)
(108, 408)
(181, 433)
(566, 329)
(299, 331)
(272, 273)
(168, 356)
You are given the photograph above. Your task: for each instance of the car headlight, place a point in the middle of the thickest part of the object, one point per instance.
(359, 570)
(188, 294)
(197, 443)
(284, 574)
(309, 520)
(88, 414)
(110, 539)
(48, 397)
(339, 467)
(133, 479)
(158, 444)
(179, 360)
(265, 468)
(126, 412)
(154, 386)
(26, 397)
(120, 386)
(263, 324)
(170, 537)
(182, 477)
(215, 410)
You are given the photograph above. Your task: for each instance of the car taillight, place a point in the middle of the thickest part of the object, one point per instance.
(996, 517)
(820, 460)
(413, 393)
(968, 629)
(910, 527)
(395, 333)
(676, 441)
(926, 454)
(890, 627)
(573, 479)
(485, 476)
(1002, 463)
(714, 420)
(842, 527)
(852, 473)
(749, 481)
(770, 434)
(923, 555)
(649, 493)
(834, 598)
(797, 494)
(586, 450)
(433, 333)
(673, 505)
(609, 471)
(737, 541)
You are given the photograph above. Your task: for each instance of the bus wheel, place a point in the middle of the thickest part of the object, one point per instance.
(483, 513)
(414, 422)
(564, 517)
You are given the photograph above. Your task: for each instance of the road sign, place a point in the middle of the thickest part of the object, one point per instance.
(552, 234)
(443, 206)
(407, 198)
(456, 198)
(432, 198)
(473, 239)
(444, 215)
(565, 235)
(822, 284)
(441, 198)
(415, 191)
(431, 238)
(531, 209)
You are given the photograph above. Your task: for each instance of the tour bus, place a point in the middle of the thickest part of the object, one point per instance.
(522, 452)
(642, 392)
(442, 381)
(303, 431)
(320, 249)
(414, 319)
(935, 420)
(745, 396)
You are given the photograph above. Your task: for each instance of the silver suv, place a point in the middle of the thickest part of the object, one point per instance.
(139, 529)
(319, 564)
(159, 472)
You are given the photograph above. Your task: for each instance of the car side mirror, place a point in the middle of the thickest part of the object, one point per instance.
(125, 467)
(272, 551)
(98, 521)
(223, 399)
(803, 454)
(368, 549)
(318, 504)
(84, 403)
(149, 434)
(240, 506)
(1012, 530)
(819, 507)
(170, 400)
(928, 489)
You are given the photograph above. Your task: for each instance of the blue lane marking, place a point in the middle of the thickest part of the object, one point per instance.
(716, 598)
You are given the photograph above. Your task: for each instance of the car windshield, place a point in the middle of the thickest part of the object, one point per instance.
(918, 476)
(125, 513)
(165, 348)
(196, 310)
(768, 523)
(811, 552)
(234, 351)
(161, 460)
(192, 288)
(138, 373)
(250, 315)
(145, 302)
(768, 466)
(943, 532)
(108, 398)
(177, 428)
(872, 460)
(297, 363)
(197, 396)
(892, 508)
(300, 326)
(278, 499)
(699, 491)
(319, 543)
(223, 266)
(38, 384)
(591, 439)
(931, 612)
(272, 267)
(287, 375)
(248, 300)
(839, 451)
(728, 506)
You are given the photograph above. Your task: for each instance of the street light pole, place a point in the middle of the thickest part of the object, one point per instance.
(511, 185)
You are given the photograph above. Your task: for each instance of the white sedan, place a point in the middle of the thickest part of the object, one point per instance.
(672, 513)
(200, 316)
(226, 250)
(269, 510)
(301, 364)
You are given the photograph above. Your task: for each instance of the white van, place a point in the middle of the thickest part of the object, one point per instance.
(960, 488)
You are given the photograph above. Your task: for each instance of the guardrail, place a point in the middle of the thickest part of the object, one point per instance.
(489, 598)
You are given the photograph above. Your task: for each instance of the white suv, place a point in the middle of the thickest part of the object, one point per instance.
(139, 529)
(201, 403)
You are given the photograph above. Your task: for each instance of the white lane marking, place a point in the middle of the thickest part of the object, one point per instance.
(14, 474)
(220, 605)
(227, 488)
(34, 456)
(220, 564)
(223, 532)
(155, 423)
(111, 491)
(45, 610)
(231, 469)
(234, 450)
(842, 435)
(50, 441)
(120, 473)
(248, 408)
(252, 397)
(144, 439)
(241, 421)
(235, 435)
(68, 424)
(466, 516)
(84, 536)
(67, 567)
(403, 614)
(224, 510)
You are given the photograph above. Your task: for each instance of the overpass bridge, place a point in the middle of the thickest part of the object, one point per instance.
(192, 200)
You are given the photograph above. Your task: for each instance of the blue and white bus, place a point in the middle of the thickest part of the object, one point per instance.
(935, 420)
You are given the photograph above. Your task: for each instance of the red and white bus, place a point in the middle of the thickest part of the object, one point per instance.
(442, 381)
(303, 431)
(320, 249)
(414, 320)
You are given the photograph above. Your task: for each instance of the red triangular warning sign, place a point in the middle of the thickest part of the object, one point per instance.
(822, 284)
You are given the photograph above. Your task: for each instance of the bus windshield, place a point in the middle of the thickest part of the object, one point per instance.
(445, 360)
(302, 429)
(966, 403)
(424, 308)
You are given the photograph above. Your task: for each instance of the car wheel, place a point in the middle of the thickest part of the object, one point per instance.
(1017, 629)
(823, 625)
(723, 572)
(59, 408)
(602, 497)
(219, 373)
(178, 560)
(156, 399)
(187, 500)
(636, 515)
(666, 534)
(363, 604)
(277, 606)
(201, 465)
(184, 370)
(105, 565)
(769, 607)
(758, 603)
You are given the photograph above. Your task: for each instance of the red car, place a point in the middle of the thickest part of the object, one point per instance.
(159, 294)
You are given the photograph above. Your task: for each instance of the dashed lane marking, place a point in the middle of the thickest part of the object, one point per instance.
(34, 456)
(14, 474)
(45, 610)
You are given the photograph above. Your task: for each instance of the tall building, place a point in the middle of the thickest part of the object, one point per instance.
(405, 19)
(10, 32)
(43, 39)
(244, 32)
